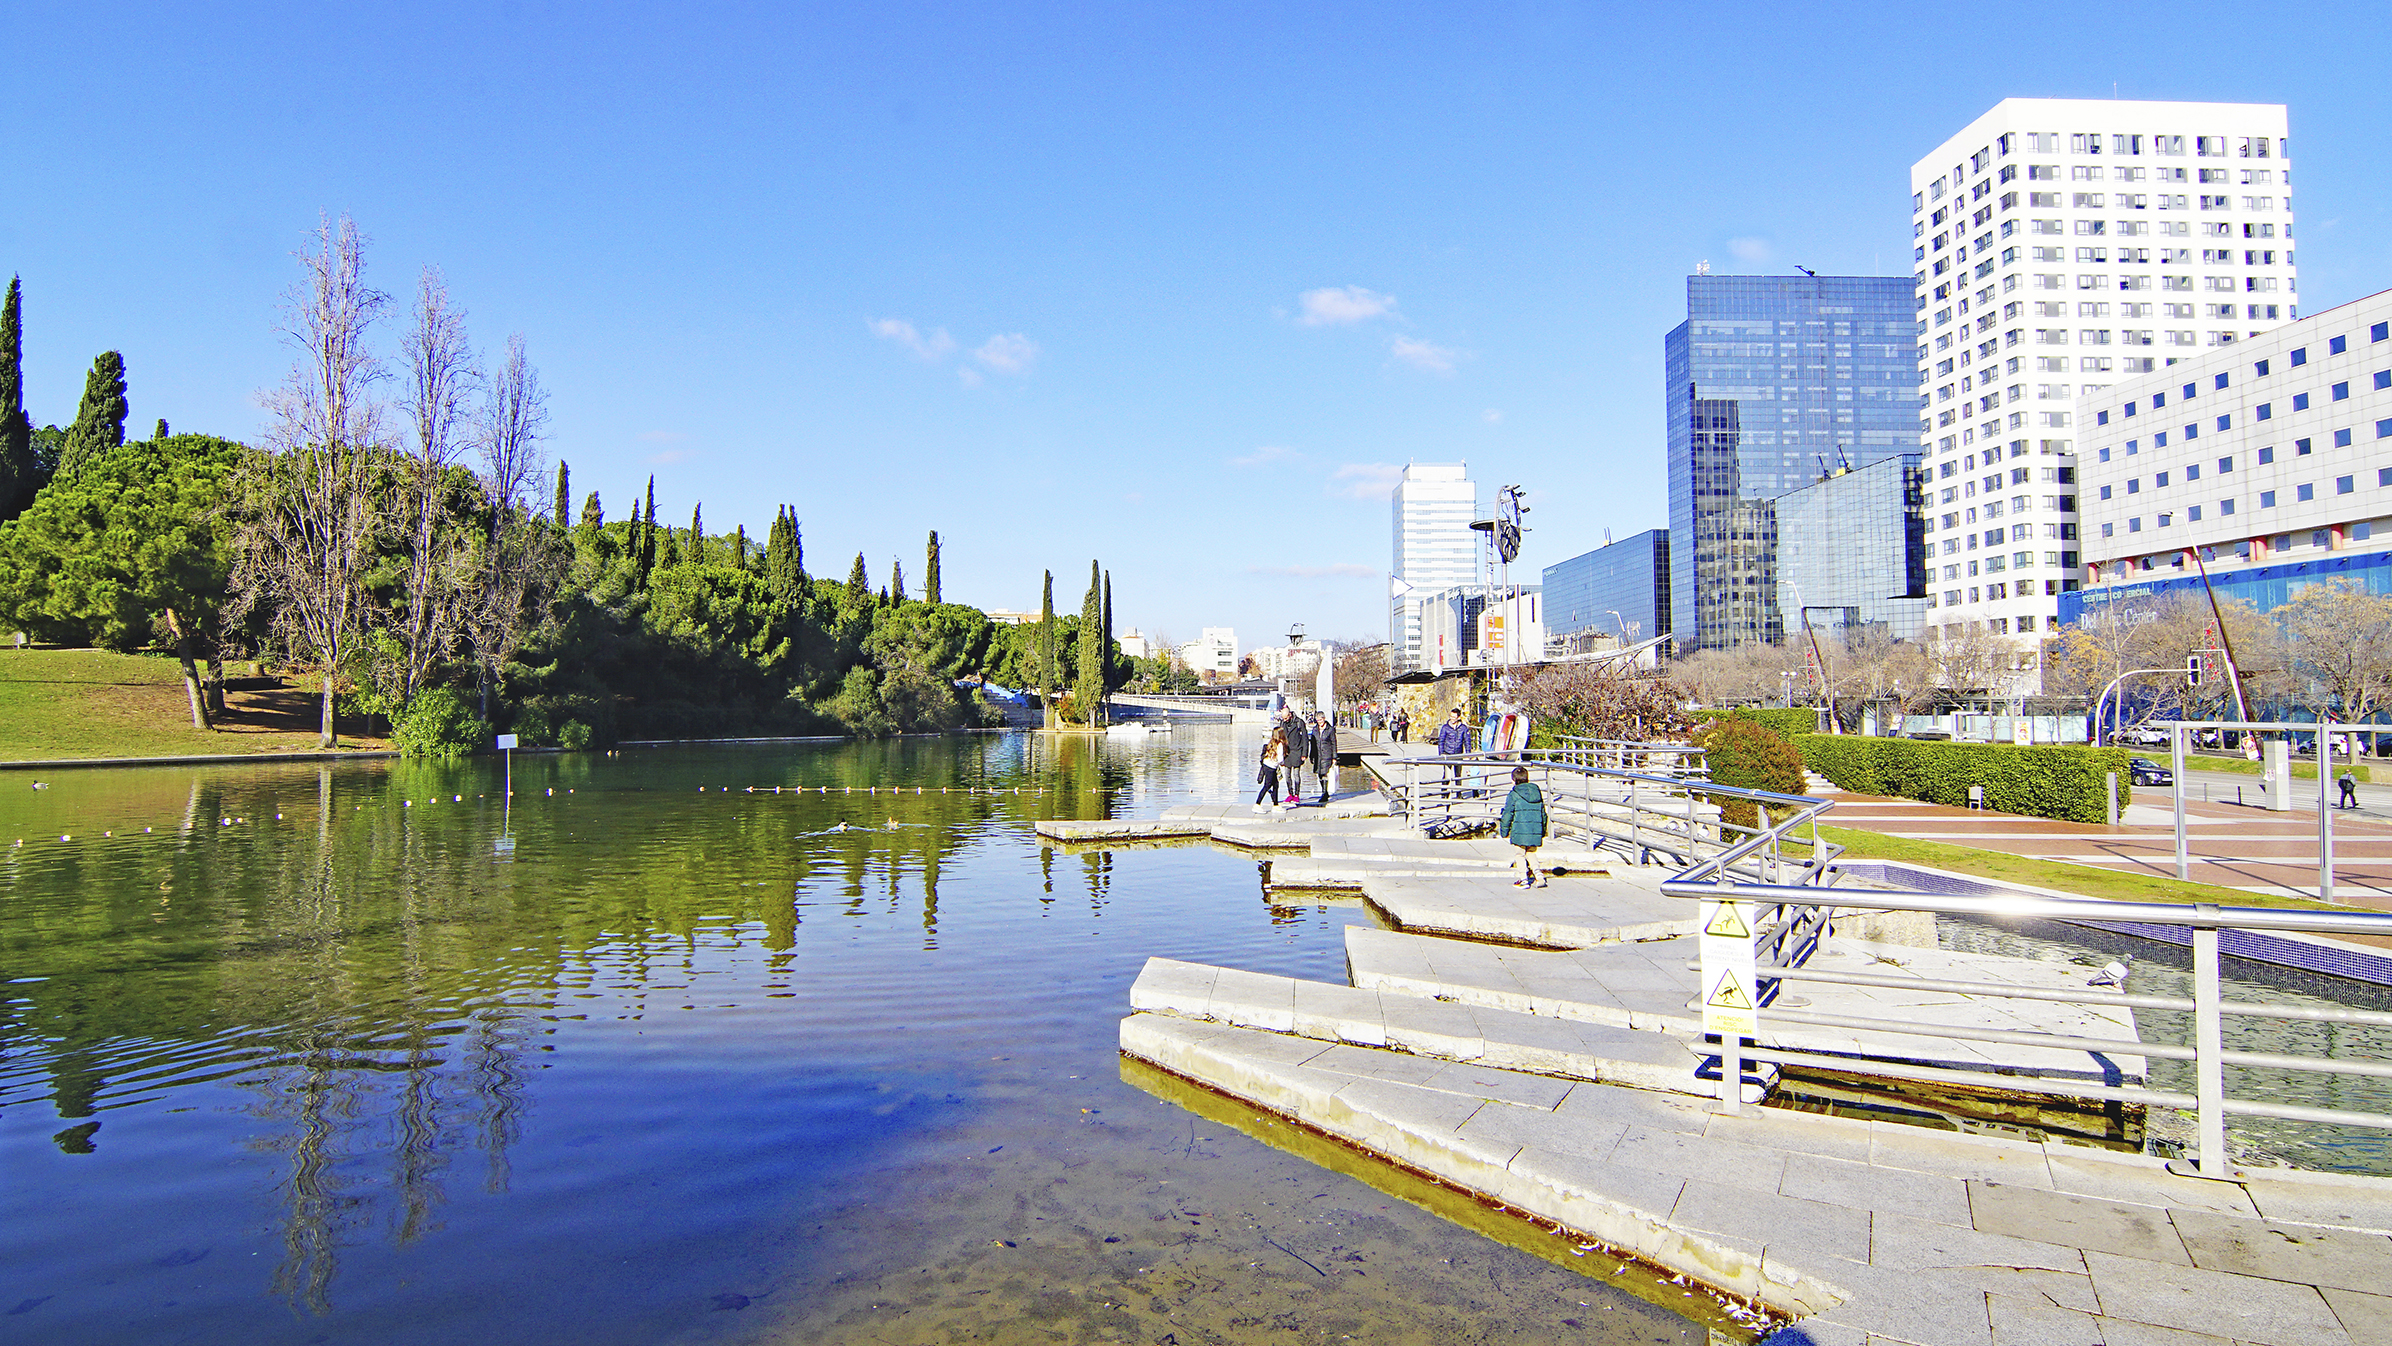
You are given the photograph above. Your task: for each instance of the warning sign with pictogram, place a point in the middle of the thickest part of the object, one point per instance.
(1726, 921)
(1728, 1007)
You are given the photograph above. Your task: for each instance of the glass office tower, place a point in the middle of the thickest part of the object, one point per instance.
(1771, 382)
(1852, 551)
(1619, 589)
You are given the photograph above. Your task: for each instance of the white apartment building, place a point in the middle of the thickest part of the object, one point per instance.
(2271, 459)
(1433, 506)
(1300, 660)
(1214, 654)
(2063, 245)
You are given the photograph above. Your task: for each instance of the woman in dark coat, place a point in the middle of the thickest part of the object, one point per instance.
(1324, 751)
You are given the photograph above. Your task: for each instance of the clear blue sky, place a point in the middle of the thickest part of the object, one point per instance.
(1033, 275)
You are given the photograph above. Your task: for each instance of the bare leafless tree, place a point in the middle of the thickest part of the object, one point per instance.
(307, 518)
(514, 569)
(440, 381)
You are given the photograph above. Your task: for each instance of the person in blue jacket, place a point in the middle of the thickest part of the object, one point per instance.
(1523, 825)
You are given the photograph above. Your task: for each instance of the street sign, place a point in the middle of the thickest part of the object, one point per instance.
(506, 742)
(1726, 943)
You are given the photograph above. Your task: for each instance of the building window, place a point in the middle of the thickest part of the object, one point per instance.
(2224, 423)
(2300, 401)
(2266, 411)
(2341, 392)
(2267, 499)
(2160, 480)
(2225, 465)
(2300, 356)
(2379, 331)
(2383, 429)
(2192, 514)
(2225, 507)
(2267, 456)
(2134, 525)
(2342, 439)
(2383, 379)
(2260, 368)
(2337, 345)
(2304, 492)
(2192, 472)
(2343, 485)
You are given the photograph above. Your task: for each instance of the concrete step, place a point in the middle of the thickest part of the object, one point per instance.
(1572, 911)
(1387, 1022)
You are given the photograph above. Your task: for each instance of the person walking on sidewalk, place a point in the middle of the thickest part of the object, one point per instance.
(1299, 751)
(1324, 752)
(1274, 753)
(1453, 740)
(2350, 789)
(1523, 825)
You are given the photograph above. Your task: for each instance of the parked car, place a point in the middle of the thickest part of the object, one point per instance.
(2144, 771)
(2145, 737)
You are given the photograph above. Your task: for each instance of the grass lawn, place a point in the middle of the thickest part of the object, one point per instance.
(90, 703)
(2244, 766)
(2082, 880)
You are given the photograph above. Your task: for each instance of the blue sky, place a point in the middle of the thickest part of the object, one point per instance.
(1037, 276)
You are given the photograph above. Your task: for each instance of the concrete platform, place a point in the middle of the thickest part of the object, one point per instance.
(1574, 910)
(1865, 1233)
(1426, 1030)
(1124, 829)
(1649, 986)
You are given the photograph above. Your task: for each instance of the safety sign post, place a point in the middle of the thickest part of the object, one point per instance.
(1728, 998)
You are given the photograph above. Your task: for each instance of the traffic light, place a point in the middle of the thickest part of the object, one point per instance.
(2196, 666)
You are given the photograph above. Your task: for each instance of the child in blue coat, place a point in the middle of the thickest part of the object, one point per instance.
(1523, 825)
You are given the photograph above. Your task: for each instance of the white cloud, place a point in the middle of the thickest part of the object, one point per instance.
(1491, 416)
(1426, 355)
(669, 457)
(663, 436)
(1007, 353)
(1366, 481)
(1753, 251)
(969, 377)
(1333, 305)
(1343, 570)
(932, 347)
(1268, 453)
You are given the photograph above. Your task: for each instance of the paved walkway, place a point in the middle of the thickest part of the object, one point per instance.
(2231, 846)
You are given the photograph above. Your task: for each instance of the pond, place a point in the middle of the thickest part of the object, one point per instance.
(362, 1053)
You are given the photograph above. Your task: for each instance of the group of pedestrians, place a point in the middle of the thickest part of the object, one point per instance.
(1296, 743)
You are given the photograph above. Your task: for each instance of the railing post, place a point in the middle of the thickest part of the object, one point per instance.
(2209, 1069)
(2184, 854)
(2325, 815)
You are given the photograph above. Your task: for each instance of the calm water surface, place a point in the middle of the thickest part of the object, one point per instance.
(356, 1054)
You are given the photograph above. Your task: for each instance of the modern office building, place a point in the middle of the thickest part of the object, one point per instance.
(1771, 380)
(2064, 245)
(2270, 459)
(1435, 549)
(1852, 551)
(1620, 589)
(1214, 654)
(1463, 627)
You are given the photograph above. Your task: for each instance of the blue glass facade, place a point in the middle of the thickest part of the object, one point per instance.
(1852, 550)
(1769, 380)
(2265, 588)
(1629, 578)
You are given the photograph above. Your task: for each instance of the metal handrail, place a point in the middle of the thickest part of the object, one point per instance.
(2207, 1052)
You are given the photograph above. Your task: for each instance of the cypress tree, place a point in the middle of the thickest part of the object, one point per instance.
(20, 475)
(564, 494)
(781, 575)
(593, 515)
(697, 533)
(1046, 649)
(897, 580)
(160, 432)
(100, 421)
(1113, 678)
(648, 531)
(672, 549)
(797, 546)
(930, 582)
(859, 586)
(742, 546)
(1092, 657)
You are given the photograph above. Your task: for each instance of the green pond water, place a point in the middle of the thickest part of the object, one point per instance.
(293, 1054)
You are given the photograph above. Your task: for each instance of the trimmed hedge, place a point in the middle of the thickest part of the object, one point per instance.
(2049, 780)
(1799, 720)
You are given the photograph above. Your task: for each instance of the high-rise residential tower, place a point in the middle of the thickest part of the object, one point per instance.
(1433, 506)
(2062, 246)
(1771, 381)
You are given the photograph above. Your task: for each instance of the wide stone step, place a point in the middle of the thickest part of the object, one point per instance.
(1389, 1022)
(1572, 911)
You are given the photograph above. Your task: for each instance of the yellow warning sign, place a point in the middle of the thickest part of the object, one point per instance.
(1728, 922)
(1730, 995)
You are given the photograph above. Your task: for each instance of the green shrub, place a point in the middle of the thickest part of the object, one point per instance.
(1748, 755)
(439, 724)
(1789, 722)
(2050, 780)
(575, 736)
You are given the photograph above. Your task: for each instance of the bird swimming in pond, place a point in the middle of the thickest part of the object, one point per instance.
(41, 785)
(894, 824)
(838, 827)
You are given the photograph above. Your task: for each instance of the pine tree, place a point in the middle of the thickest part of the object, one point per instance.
(20, 474)
(160, 432)
(1091, 686)
(563, 517)
(593, 515)
(930, 582)
(897, 580)
(1046, 649)
(859, 586)
(100, 421)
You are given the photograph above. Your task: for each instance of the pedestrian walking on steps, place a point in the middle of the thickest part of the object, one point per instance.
(2350, 789)
(1453, 740)
(1324, 752)
(1299, 751)
(1523, 825)
(1274, 754)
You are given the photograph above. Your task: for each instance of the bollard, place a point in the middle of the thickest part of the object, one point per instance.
(2113, 813)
